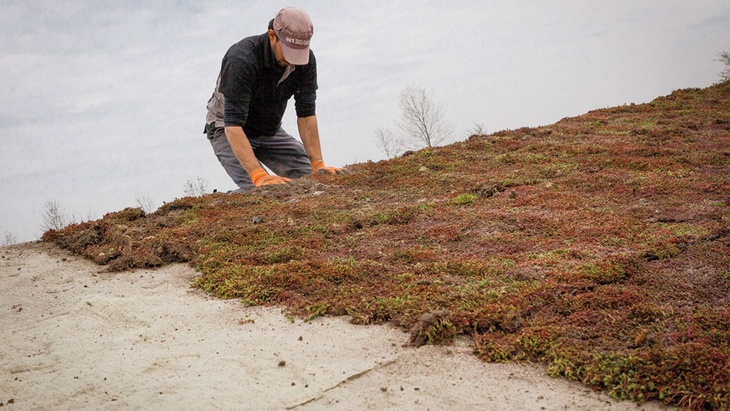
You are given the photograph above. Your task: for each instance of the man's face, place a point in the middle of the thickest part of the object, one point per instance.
(276, 49)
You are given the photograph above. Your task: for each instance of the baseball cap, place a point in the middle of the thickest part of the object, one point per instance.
(294, 29)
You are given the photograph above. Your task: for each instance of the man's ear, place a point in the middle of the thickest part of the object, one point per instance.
(272, 36)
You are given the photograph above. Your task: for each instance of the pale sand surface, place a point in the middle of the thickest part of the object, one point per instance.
(75, 337)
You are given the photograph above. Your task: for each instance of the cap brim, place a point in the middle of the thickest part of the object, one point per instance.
(297, 57)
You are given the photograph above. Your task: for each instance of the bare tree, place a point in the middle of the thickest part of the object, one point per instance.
(725, 58)
(421, 119)
(196, 188)
(10, 239)
(479, 129)
(54, 218)
(387, 142)
(145, 203)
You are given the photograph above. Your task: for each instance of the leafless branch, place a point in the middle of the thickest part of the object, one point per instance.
(387, 142)
(54, 218)
(421, 119)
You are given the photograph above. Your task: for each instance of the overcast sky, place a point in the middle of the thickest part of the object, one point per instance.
(103, 102)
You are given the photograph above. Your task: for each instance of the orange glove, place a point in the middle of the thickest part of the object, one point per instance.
(318, 167)
(259, 177)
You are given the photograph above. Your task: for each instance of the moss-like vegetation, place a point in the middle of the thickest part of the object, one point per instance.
(599, 245)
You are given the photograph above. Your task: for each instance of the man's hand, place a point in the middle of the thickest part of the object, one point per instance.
(318, 167)
(259, 178)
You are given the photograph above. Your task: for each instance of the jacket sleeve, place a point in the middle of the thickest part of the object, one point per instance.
(306, 96)
(237, 77)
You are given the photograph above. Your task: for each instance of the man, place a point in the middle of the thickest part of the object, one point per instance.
(258, 76)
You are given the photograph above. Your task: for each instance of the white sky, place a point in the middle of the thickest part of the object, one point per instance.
(103, 102)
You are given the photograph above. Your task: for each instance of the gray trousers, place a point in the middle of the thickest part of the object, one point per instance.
(280, 153)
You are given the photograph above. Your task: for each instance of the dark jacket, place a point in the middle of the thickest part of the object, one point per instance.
(250, 94)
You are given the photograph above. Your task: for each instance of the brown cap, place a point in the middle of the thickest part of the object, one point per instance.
(294, 29)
